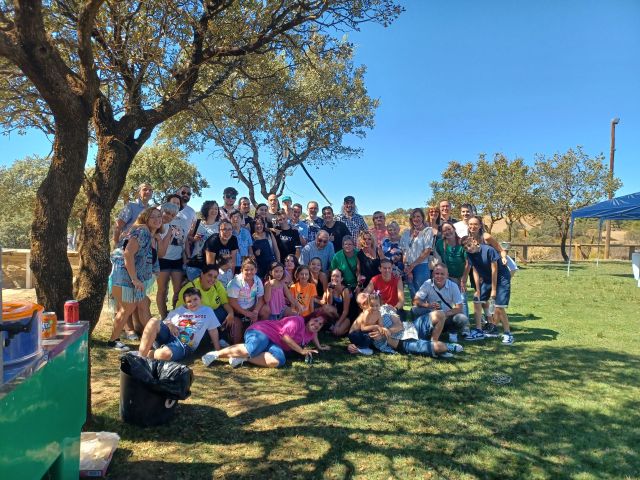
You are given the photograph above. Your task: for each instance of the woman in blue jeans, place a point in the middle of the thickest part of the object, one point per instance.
(266, 341)
(416, 243)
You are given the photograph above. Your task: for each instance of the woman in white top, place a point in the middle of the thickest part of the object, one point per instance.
(209, 225)
(416, 243)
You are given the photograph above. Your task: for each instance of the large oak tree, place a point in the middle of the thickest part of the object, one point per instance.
(113, 71)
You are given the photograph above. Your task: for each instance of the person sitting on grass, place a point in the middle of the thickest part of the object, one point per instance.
(246, 296)
(180, 334)
(339, 296)
(303, 291)
(405, 337)
(368, 321)
(276, 295)
(493, 285)
(214, 295)
(440, 298)
(266, 342)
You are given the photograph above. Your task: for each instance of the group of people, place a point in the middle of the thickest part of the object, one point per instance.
(264, 282)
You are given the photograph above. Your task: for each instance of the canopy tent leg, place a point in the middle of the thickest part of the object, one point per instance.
(570, 241)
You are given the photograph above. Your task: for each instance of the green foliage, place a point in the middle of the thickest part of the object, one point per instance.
(19, 184)
(568, 181)
(166, 168)
(280, 112)
(499, 189)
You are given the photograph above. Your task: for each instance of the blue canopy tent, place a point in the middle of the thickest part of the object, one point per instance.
(626, 207)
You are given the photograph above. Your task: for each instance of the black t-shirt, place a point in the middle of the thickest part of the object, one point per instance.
(336, 233)
(214, 245)
(369, 267)
(288, 240)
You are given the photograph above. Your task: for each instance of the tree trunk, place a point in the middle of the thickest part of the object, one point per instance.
(113, 161)
(563, 246)
(54, 201)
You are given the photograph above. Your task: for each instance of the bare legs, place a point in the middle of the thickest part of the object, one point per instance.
(264, 359)
(124, 311)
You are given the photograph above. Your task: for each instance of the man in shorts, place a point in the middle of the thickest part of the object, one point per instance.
(180, 334)
(493, 285)
(440, 299)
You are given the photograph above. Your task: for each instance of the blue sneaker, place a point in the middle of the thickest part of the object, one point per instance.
(507, 339)
(475, 334)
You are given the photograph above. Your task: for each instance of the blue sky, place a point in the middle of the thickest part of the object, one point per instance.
(463, 77)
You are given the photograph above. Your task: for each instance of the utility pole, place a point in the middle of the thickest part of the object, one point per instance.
(607, 240)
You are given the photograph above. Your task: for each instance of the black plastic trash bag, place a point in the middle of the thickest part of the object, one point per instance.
(150, 389)
(169, 379)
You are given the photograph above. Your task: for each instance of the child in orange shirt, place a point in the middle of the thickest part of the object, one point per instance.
(303, 291)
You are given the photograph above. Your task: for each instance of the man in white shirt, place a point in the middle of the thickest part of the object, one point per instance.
(180, 334)
(438, 306)
(462, 227)
(187, 214)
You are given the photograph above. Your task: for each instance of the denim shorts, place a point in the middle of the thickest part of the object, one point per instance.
(178, 349)
(257, 342)
(503, 292)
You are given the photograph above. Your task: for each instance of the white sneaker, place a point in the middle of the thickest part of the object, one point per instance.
(507, 339)
(365, 351)
(453, 337)
(454, 348)
(209, 357)
(118, 345)
(236, 362)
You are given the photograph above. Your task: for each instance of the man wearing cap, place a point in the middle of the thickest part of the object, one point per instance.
(229, 196)
(351, 218)
(286, 206)
(131, 210)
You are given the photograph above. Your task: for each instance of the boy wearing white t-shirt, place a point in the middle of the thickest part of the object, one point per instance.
(180, 334)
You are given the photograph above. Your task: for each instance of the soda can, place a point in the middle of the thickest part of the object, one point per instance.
(71, 311)
(49, 325)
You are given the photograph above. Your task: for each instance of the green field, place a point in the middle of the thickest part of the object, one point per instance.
(570, 410)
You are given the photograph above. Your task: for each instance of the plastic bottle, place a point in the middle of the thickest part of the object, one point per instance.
(492, 306)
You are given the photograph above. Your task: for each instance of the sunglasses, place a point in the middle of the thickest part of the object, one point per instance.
(230, 196)
(185, 193)
(378, 218)
(319, 240)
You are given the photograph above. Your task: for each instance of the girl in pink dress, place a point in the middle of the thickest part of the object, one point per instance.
(277, 295)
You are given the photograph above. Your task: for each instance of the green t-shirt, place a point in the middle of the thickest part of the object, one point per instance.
(214, 297)
(455, 258)
(348, 267)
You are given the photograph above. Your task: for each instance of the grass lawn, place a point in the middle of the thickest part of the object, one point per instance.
(571, 409)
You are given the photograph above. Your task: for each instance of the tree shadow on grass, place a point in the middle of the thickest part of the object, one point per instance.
(405, 417)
